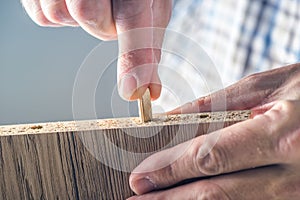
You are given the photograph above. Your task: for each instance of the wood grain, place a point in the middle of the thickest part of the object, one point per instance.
(68, 160)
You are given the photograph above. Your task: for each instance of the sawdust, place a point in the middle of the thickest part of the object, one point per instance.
(120, 123)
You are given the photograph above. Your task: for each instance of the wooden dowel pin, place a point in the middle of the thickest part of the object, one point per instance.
(145, 109)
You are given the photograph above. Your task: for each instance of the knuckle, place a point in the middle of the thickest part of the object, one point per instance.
(287, 129)
(57, 13)
(210, 191)
(35, 13)
(41, 20)
(288, 189)
(98, 17)
(170, 174)
(288, 145)
(136, 62)
(125, 10)
(82, 11)
(287, 106)
(85, 12)
(211, 195)
(282, 111)
(257, 81)
(251, 77)
(213, 163)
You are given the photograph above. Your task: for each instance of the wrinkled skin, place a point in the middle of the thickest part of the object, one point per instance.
(255, 159)
(106, 20)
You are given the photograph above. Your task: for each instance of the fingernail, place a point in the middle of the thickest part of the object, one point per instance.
(144, 185)
(127, 86)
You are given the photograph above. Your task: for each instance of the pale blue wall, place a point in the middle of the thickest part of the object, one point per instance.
(38, 67)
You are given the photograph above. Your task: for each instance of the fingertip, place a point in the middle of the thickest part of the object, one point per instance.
(132, 183)
(57, 12)
(141, 185)
(35, 12)
(155, 90)
(135, 94)
(127, 87)
(155, 85)
(138, 94)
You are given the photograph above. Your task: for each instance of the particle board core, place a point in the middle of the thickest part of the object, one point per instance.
(91, 159)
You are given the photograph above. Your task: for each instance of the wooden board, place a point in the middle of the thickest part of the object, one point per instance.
(79, 160)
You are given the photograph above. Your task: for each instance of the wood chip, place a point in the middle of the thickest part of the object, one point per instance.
(145, 109)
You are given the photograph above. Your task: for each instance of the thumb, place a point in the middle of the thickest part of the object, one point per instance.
(140, 26)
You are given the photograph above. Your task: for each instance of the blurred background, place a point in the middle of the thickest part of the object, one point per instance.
(38, 67)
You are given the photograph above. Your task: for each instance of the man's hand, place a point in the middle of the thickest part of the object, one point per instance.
(106, 19)
(255, 90)
(255, 159)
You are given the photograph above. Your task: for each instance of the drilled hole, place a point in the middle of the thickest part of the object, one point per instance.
(36, 127)
(202, 116)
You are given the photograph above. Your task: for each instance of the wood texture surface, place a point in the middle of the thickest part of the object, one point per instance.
(76, 160)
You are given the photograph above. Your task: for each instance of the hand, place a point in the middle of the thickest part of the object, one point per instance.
(255, 90)
(255, 159)
(105, 20)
